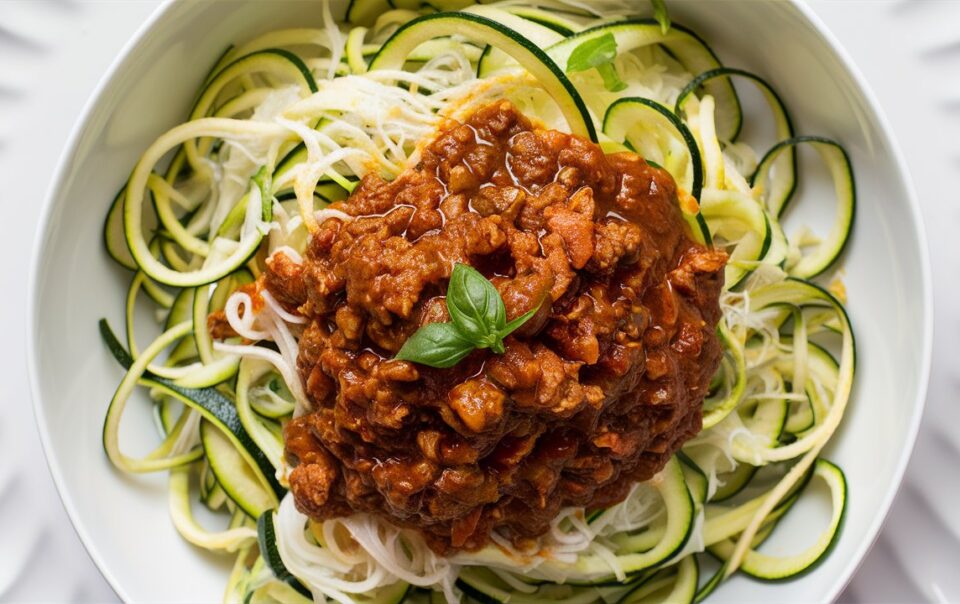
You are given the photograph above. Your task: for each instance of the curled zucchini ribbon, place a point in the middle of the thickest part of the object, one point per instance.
(290, 121)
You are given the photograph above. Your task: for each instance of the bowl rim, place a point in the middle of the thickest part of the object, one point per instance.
(920, 394)
(106, 81)
(41, 236)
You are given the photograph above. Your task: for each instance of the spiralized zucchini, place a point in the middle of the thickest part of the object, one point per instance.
(289, 122)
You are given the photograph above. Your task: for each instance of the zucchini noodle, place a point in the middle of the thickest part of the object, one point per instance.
(289, 122)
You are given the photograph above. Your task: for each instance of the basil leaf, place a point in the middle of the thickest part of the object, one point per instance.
(598, 52)
(660, 14)
(593, 53)
(436, 345)
(611, 79)
(475, 306)
(478, 320)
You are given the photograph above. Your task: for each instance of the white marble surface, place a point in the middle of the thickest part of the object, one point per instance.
(53, 52)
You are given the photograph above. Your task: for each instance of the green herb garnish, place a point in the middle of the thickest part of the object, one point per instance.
(478, 320)
(661, 15)
(611, 79)
(599, 53)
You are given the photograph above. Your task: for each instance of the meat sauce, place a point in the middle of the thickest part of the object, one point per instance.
(592, 395)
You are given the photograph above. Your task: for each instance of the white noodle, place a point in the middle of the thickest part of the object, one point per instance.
(375, 122)
(328, 213)
(243, 324)
(279, 310)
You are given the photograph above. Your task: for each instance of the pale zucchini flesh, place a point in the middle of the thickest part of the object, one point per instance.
(241, 442)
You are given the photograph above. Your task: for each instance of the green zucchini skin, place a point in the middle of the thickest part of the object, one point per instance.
(211, 402)
(651, 570)
(114, 238)
(623, 112)
(683, 43)
(481, 29)
(267, 540)
(841, 167)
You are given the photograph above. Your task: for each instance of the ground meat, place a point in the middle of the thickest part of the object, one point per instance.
(218, 326)
(593, 394)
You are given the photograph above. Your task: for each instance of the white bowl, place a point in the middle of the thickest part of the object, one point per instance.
(123, 520)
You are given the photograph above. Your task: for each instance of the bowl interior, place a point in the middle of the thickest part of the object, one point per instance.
(123, 520)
